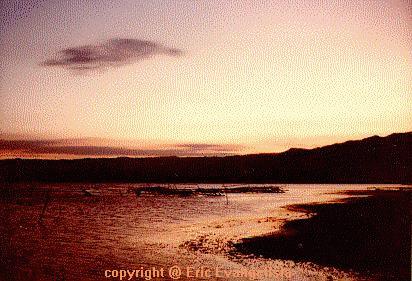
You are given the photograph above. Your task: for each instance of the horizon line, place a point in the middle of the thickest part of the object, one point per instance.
(194, 154)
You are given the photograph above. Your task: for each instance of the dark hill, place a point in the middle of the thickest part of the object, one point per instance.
(371, 160)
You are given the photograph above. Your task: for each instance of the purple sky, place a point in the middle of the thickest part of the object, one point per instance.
(234, 76)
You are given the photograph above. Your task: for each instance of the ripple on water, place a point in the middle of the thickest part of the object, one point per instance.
(79, 236)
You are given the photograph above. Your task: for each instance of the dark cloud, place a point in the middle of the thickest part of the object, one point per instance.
(203, 147)
(29, 148)
(112, 53)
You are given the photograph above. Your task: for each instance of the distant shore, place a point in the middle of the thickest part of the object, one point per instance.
(385, 160)
(370, 235)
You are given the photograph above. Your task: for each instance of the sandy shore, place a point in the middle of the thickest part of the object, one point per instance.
(370, 235)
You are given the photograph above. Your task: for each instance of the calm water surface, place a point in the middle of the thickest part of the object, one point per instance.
(56, 232)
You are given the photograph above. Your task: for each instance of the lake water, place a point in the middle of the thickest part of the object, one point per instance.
(56, 232)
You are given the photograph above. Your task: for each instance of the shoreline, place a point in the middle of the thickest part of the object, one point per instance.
(198, 230)
(369, 235)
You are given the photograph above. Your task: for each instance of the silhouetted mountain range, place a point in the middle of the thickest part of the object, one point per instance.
(371, 160)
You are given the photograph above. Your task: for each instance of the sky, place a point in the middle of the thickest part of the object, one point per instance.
(157, 78)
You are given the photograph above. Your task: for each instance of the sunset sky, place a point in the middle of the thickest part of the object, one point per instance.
(146, 78)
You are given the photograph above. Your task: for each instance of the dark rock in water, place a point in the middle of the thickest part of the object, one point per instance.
(255, 189)
(91, 192)
(206, 191)
(163, 191)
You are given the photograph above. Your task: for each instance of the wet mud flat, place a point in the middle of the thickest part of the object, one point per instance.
(370, 235)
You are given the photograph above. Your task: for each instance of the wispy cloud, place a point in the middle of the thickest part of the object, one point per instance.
(203, 147)
(112, 53)
(65, 148)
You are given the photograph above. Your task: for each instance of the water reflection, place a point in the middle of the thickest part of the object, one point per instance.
(57, 231)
